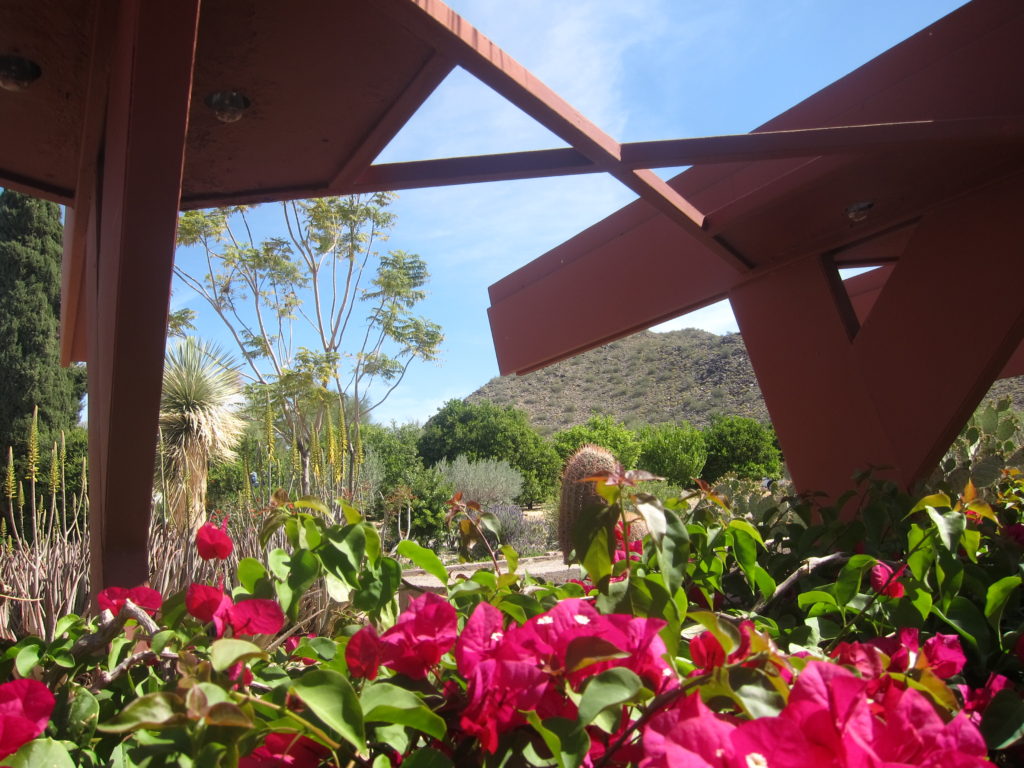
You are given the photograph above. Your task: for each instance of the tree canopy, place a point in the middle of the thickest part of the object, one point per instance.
(319, 313)
(488, 431)
(741, 445)
(600, 430)
(30, 259)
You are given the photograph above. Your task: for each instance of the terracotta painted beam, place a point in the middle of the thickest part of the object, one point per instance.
(433, 73)
(130, 243)
(750, 147)
(894, 386)
(434, 22)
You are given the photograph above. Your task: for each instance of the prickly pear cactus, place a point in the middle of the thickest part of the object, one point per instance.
(588, 461)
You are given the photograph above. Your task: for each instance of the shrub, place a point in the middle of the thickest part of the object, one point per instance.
(603, 431)
(740, 445)
(675, 452)
(487, 481)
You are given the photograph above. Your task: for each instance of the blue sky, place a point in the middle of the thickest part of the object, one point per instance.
(641, 70)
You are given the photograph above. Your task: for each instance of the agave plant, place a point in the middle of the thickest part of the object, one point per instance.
(199, 423)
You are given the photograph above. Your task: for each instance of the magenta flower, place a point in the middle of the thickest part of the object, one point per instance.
(249, 617)
(885, 582)
(480, 638)
(285, 749)
(213, 543)
(25, 709)
(424, 633)
(498, 690)
(688, 735)
(112, 599)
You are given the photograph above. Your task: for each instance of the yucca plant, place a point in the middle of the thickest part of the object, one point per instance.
(199, 423)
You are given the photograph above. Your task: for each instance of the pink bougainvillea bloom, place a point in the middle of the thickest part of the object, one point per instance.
(498, 690)
(363, 653)
(208, 604)
(480, 638)
(286, 749)
(25, 709)
(256, 617)
(885, 582)
(944, 655)
(213, 543)
(976, 700)
(112, 599)
(424, 633)
(689, 735)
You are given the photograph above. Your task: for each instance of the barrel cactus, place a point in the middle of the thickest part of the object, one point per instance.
(577, 496)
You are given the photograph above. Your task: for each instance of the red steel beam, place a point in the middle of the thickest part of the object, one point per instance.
(749, 147)
(434, 22)
(131, 252)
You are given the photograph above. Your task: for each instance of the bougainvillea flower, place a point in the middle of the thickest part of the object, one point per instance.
(976, 700)
(480, 638)
(363, 653)
(689, 735)
(256, 617)
(885, 582)
(286, 749)
(25, 709)
(497, 691)
(112, 599)
(944, 655)
(208, 604)
(424, 633)
(213, 543)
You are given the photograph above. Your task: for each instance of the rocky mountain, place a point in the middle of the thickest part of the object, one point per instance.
(649, 378)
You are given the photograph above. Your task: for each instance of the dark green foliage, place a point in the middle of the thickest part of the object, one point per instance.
(30, 258)
(743, 446)
(674, 451)
(488, 431)
(600, 430)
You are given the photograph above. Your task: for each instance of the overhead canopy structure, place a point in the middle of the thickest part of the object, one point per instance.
(914, 161)
(127, 111)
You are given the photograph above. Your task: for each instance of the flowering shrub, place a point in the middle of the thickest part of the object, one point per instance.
(894, 640)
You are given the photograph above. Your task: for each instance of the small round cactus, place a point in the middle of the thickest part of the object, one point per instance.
(577, 496)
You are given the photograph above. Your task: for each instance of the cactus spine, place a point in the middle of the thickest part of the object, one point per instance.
(577, 496)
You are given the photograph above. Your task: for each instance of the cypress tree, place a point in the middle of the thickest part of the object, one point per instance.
(30, 369)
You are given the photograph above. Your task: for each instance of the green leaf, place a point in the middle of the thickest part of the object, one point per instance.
(154, 710)
(345, 555)
(83, 715)
(997, 597)
(611, 688)
(597, 560)
(674, 552)
(1003, 721)
(935, 500)
(744, 549)
(426, 757)
(227, 714)
(28, 657)
(923, 552)
(848, 582)
(425, 559)
(739, 524)
(41, 753)
(964, 616)
(373, 544)
(590, 649)
(250, 570)
(653, 513)
(312, 502)
(511, 557)
(950, 526)
(387, 703)
(230, 650)
(331, 698)
(565, 738)
(278, 562)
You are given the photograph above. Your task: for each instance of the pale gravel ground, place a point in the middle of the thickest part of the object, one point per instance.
(547, 567)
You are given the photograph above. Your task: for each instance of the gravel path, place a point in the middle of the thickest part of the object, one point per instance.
(547, 567)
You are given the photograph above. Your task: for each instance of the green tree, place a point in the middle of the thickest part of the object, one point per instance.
(488, 431)
(30, 259)
(325, 282)
(743, 446)
(198, 424)
(604, 431)
(674, 451)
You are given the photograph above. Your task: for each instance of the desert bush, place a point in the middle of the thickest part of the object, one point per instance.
(740, 445)
(600, 430)
(487, 481)
(675, 452)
